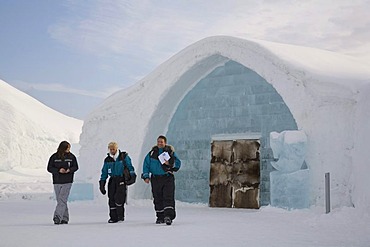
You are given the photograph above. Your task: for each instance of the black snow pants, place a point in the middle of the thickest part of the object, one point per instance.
(163, 189)
(117, 198)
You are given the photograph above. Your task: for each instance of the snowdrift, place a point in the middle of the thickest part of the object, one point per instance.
(30, 131)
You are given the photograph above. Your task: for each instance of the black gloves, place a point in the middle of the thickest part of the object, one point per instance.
(167, 168)
(102, 187)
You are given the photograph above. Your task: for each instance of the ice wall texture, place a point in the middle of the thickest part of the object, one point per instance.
(289, 184)
(231, 99)
(290, 190)
(81, 192)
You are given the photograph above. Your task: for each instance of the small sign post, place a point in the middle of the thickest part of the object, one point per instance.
(327, 192)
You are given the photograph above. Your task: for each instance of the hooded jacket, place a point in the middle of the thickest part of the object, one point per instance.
(153, 166)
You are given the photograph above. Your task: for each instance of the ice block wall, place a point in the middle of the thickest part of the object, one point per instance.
(290, 183)
(231, 99)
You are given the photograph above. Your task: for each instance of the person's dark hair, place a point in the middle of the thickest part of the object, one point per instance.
(162, 137)
(63, 146)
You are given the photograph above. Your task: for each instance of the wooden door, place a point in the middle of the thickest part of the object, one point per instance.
(235, 174)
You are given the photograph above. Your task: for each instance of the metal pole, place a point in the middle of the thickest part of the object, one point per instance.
(327, 192)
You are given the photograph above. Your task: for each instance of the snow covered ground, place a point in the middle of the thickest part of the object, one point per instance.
(29, 223)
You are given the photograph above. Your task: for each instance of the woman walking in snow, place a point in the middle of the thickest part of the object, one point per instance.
(62, 165)
(113, 167)
(158, 168)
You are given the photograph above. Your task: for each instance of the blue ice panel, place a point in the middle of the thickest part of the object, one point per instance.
(81, 192)
(290, 190)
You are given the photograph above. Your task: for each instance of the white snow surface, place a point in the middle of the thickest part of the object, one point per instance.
(30, 132)
(327, 93)
(29, 223)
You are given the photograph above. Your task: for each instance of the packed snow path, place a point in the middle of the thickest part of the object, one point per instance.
(29, 223)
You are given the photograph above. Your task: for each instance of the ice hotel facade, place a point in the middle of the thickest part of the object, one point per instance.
(219, 100)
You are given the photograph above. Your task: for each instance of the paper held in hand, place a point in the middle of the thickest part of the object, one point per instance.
(163, 157)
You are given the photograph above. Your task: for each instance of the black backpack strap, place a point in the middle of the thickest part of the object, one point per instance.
(128, 177)
(123, 158)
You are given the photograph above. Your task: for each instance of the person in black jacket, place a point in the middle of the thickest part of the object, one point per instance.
(62, 165)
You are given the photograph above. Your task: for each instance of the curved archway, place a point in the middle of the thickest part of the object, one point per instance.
(229, 99)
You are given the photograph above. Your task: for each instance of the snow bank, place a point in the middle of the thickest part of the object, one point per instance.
(322, 90)
(30, 131)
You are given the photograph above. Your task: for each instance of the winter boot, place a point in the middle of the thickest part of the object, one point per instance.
(120, 213)
(56, 220)
(159, 221)
(167, 220)
(112, 221)
(113, 217)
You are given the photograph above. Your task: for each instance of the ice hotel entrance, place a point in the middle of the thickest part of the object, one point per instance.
(230, 100)
(234, 172)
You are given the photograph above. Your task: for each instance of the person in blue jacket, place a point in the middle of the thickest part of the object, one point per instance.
(113, 167)
(162, 180)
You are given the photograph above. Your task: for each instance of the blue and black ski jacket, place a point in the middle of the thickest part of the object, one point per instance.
(114, 168)
(153, 166)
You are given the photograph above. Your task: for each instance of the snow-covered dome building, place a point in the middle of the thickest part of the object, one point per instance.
(227, 87)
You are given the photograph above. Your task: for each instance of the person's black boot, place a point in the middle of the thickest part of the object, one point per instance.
(167, 220)
(159, 221)
(112, 221)
(56, 220)
(120, 213)
(113, 217)
(64, 222)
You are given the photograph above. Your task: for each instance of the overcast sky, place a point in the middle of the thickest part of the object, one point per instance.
(85, 50)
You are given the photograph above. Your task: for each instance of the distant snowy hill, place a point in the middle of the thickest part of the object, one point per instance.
(30, 131)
